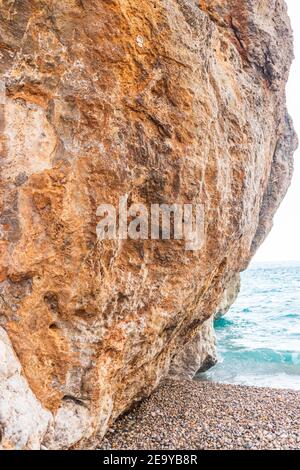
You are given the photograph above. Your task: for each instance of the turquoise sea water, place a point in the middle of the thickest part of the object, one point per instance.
(259, 339)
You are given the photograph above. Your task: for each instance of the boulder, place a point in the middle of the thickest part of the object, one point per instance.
(160, 102)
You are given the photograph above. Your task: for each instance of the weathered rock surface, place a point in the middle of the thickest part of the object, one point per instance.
(229, 296)
(200, 354)
(23, 421)
(166, 101)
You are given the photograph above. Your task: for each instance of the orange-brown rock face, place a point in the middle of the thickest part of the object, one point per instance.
(165, 101)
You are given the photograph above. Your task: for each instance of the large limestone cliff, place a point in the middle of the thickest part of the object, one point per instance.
(165, 101)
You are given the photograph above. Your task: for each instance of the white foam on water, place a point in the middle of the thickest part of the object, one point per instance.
(259, 339)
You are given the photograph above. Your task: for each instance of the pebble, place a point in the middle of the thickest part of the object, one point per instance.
(204, 415)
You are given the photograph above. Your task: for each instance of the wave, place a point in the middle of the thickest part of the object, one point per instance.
(263, 355)
(259, 339)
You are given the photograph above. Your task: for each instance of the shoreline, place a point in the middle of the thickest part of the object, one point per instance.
(193, 415)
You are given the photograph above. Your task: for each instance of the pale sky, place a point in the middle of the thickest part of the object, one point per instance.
(283, 244)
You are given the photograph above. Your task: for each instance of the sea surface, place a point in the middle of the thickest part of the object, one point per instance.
(259, 338)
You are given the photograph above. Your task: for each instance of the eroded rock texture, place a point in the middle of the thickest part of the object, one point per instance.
(229, 296)
(166, 101)
(200, 353)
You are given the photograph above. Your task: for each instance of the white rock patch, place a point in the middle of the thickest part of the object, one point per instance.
(23, 421)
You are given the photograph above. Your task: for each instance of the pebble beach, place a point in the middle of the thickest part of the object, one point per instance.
(204, 415)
